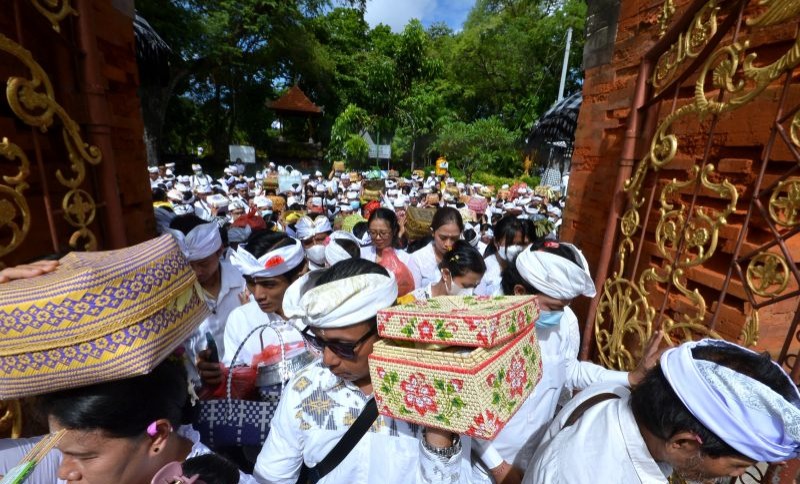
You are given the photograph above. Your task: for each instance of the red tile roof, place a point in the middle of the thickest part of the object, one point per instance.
(295, 101)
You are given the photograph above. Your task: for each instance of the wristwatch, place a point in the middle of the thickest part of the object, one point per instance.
(443, 452)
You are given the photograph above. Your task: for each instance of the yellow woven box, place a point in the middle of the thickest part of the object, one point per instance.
(100, 316)
(474, 393)
(472, 321)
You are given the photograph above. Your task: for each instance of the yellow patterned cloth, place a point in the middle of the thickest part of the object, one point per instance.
(100, 316)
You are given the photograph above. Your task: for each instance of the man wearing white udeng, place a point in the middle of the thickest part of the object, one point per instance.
(322, 402)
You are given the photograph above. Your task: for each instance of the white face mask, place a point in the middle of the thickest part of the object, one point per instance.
(316, 254)
(510, 253)
(455, 289)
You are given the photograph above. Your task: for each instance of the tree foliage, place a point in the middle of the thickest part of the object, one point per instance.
(471, 94)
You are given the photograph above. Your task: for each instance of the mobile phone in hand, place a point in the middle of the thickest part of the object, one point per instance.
(211, 345)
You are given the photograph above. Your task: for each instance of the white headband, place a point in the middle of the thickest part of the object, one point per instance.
(334, 252)
(554, 275)
(340, 303)
(272, 264)
(743, 412)
(307, 228)
(200, 242)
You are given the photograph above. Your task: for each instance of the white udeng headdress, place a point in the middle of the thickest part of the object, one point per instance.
(746, 414)
(554, 275)
(200, 242)
(340, 303)
(334, 252)
(307, 228)
(272, 264)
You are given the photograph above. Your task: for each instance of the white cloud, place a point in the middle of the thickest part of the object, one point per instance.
(397, 13)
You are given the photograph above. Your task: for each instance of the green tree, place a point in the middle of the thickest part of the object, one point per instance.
(480, 144)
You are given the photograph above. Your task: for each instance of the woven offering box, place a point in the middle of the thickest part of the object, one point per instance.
(473, 392)
(470, 321)
(100, 316)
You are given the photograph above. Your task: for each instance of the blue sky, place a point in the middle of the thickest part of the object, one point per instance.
(397, 13)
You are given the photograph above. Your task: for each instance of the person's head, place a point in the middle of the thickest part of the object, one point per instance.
(713, 409)
(342, 246)
(341, 317)
(511, 236)
(462, 269)
(283, 263)
(360, 229)
(446, 228)
(159, 195)
(204, 243)
(313, 231)
(556, 273)
(383, 228)
(211, 468)
(121, 431)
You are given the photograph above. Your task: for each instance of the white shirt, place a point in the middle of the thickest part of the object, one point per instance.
(369, 253)
(490, 284)
(604, 443)
(232, 284)
(12, 451)
(425, 268)
(203, 210)
(242, 321)
(559, 346)
(316, 410)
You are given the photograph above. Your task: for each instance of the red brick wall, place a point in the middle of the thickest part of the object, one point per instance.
(737, 146)
(123, 168)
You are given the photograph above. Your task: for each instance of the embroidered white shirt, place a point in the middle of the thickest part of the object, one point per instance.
(606, 436)
(316, 410)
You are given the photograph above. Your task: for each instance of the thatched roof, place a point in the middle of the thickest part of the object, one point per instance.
(295, 102)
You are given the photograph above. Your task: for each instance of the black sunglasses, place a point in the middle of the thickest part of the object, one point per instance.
(345, 351)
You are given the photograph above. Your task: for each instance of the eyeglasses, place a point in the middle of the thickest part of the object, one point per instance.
(346, 351)
(379, 235)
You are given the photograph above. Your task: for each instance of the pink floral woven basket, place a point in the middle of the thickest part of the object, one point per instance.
(473, 393)
(471, 321)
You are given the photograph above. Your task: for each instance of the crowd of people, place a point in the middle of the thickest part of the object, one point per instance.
(315, 262)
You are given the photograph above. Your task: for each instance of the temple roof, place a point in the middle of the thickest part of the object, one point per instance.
(295, 101)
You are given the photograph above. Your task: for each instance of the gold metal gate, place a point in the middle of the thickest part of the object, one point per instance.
(708, 240)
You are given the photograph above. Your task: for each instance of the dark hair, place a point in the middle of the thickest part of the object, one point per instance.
(557, 248)
(507, 229)
(360, 229)
(349, 246)
(390, 218)
(347, 268)
(510, 278)
(212, 469)
(159, 194)
(418, 244)
(263, 241)
(658, 408)
(463, 258)
(447, 215)
(125, 408)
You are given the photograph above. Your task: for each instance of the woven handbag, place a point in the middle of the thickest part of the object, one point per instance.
(231, 422)
(100, 316)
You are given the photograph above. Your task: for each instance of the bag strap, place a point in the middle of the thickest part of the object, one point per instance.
(228, 384)
(586, 405)
(346, 444)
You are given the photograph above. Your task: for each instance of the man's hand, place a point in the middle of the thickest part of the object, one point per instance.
(210, 372)
(26, 271)
(650, 357)
(505, 473)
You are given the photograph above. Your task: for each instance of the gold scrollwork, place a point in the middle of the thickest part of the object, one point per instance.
(55, 11)
(689, 43)
(10, 419)
(767, 274)
(664, 18)
(13, 203)
(33, 101)
(784, 203)
(749, 334)
(624, 311)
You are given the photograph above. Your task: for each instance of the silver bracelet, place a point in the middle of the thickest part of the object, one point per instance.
(443, 452)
